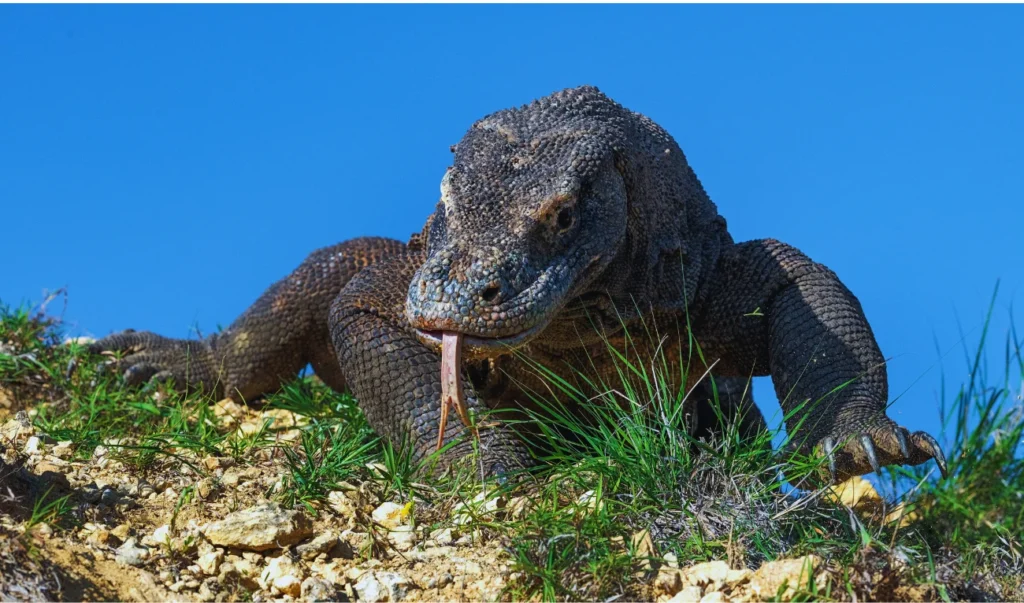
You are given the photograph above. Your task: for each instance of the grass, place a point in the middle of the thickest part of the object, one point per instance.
(627, 468)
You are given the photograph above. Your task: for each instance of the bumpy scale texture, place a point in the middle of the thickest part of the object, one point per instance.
(565, 228)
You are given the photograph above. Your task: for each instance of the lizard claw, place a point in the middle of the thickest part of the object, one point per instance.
(830, 453)
(869, 451)
(901, 439)
(935, 452)
(878, 446)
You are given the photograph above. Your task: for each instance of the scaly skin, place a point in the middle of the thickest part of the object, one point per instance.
(562, 226)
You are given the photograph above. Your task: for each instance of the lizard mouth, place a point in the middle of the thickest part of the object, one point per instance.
(475, 346)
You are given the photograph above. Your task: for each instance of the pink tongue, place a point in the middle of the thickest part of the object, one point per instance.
(451, 383)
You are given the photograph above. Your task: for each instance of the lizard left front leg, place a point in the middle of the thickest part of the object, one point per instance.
(769, 308)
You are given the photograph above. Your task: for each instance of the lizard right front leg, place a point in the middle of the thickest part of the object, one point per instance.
(285, 329)
(397, 379)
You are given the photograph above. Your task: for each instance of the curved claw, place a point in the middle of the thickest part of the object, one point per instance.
(936, 452)
(869, 451)
(901, 439)
(829, 445)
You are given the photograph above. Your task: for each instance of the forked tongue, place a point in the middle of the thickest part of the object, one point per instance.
(452, 395)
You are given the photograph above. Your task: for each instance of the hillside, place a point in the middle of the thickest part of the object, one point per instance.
(110, 493)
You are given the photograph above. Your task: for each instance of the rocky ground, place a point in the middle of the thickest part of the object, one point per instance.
(108, 493)
(178, 535)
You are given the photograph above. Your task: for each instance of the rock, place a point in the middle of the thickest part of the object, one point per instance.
(396, 584)
(391, 515)
(769, 579)
(33, 446)
(713, 597)
(320, 544)
(668, 581)
(281, 576)
(442, 537)
(160, 537)
(484, 505)
(709, 575)
(64, 450)
(688, 594)
(131, 553)
(98, 537)
(402, 538)
(204, 488)
(356, 541)
(643, 549)
(317, 589)
(369, 589)
(260, 528)
(517, 507)
(589, 500)
(209, 563)
(121, 532)
(735, 577)
(15, 430)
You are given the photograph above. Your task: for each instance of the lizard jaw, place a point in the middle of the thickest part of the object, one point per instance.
(481, 347)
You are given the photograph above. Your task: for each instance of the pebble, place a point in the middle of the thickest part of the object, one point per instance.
(321, 544)
(317, 589)
(210, 562)
(369, 589)
(131, 553)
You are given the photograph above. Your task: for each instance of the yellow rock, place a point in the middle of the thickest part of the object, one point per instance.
(710, 574)
(785, 577)
(713, 597)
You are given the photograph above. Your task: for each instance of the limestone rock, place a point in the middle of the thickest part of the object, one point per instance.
(260, 528)
(131, 553)
(281, 576)
(369, 589)
(318, 589)
(396, 584)
(209, 563)
(320, 544)
(781, 579)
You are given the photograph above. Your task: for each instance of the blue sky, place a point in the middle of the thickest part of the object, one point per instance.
(167, 163)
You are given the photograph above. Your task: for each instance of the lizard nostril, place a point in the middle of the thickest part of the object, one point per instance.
(491, 293)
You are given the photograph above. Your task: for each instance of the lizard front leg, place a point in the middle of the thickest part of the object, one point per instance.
(285, 329)
(769, 308)
(397, 379)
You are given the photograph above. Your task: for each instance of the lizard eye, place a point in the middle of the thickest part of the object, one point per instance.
(565, 219)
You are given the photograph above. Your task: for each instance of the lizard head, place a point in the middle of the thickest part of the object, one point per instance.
(539, 220)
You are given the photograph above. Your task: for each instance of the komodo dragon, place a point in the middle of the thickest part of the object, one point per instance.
(562, 225)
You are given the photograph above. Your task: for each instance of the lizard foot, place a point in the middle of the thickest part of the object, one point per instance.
(883, 444)
(144, 357)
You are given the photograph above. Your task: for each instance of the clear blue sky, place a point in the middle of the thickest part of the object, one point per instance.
(167, 163)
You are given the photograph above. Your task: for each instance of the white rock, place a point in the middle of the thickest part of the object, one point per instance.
(369, 589)
(209, 563)
(396, 584)
(33, 445)
(390, 515)
(160, 536)
(317, 589)
(443, 537)
(689, 594)
(64, 450)
(484, 505)
(402, 538)
(282, 576)
(130, 553)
